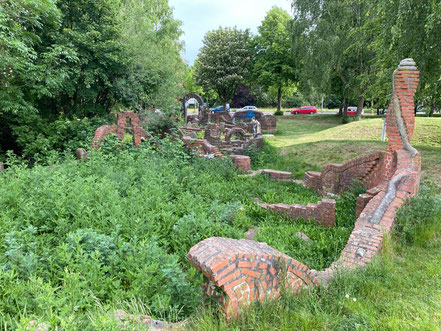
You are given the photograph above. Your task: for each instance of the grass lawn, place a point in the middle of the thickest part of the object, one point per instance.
(320, 140)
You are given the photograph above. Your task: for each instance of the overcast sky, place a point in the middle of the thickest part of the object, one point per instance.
(200, 16)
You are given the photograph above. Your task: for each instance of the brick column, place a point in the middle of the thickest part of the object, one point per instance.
(405, 80)
(400, 119)
(242, 162)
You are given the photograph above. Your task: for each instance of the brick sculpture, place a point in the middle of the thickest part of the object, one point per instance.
(124, 121)
(239, 272)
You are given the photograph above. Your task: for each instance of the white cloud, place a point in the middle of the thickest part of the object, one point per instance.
(200, 16)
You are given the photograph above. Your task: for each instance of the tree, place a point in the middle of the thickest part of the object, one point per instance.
(223, 62)
(28, 64)
(150, 36)
(408, 29)
(275, 64)
(337, 54)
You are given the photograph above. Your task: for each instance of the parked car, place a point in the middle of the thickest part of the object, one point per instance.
(254, 108)
(220, 108)
(352, 111)
(304, 110)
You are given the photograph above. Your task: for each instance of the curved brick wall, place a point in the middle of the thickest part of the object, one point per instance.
(339, 177)
(322, 212)
(242, 271)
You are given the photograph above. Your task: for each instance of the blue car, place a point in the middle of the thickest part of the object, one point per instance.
(220, 108)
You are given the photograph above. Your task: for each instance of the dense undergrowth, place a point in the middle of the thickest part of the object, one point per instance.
(80, 236)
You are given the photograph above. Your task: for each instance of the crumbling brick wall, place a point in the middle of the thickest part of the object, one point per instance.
(139, 133)
(322, 213)
(365, 171)
(243, 271)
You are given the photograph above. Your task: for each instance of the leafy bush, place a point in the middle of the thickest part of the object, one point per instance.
(39, 137)
(419, 220)
(118, 227)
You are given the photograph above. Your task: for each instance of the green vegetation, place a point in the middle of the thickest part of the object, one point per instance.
(274, 66)
(67, 60)
(320, 140)
(399, 290)
(223, 62)
(117, 228)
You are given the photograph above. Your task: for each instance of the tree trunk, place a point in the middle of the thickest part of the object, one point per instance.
(432, 110)
(340, 109)
(279, 99)
(359, 107)
(225, 105)
(345, 110)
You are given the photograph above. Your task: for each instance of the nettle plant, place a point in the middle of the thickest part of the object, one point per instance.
(117, 227)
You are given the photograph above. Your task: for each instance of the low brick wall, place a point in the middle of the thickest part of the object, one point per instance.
(201, 147)
(378, 215)
(242, 162)
(246, 271)
(336, 178)
(323, 212)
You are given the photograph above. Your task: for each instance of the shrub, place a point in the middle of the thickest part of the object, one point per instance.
(118, 227)
(419, 220)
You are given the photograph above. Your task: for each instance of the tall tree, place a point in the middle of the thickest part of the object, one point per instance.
(275, 64)
(338, 46)
(150, 36)
(408, 29)
(28, 63)
(223, 62)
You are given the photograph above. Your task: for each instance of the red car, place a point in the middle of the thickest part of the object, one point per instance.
(352, 111)
(304, 110)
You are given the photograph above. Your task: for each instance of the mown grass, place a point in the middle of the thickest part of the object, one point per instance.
(320, 140)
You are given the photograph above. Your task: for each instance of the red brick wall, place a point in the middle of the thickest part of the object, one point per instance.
(201, 146)
(323, 213)
(138, 132)
(244, 271)
(366, 238)
(242, 162)
(101, 133)
(339, 177)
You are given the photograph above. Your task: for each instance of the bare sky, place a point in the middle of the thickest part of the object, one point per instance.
(200, 16)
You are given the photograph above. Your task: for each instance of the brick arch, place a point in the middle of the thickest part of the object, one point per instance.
(119, 129)
(234, 131)
(243, 271)
(192, 96)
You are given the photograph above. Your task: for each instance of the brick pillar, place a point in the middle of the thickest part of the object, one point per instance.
(405, 84)
(401, 110)
(241, 162)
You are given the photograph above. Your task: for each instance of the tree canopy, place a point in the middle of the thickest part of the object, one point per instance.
(275, 64)
(223, 62)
